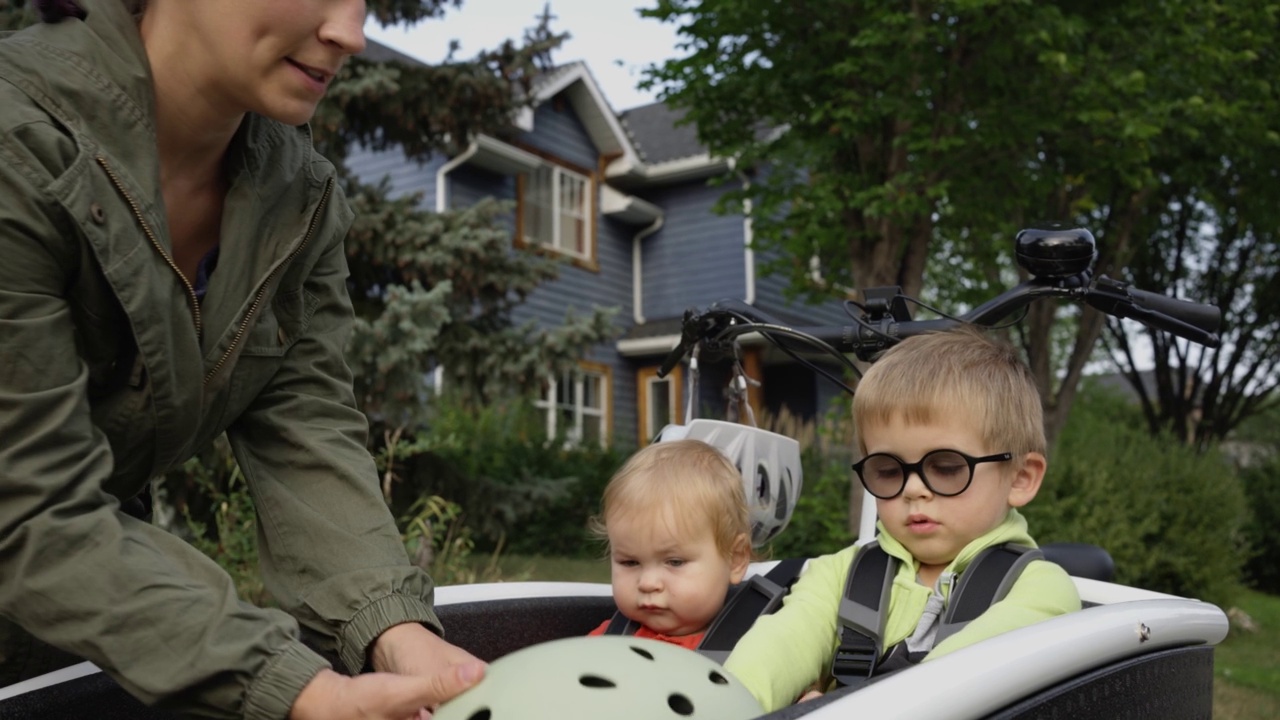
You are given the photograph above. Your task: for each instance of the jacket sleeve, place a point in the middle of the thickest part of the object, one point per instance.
(329, 548)
(143, 605)
(786, 652)
(1043, 590)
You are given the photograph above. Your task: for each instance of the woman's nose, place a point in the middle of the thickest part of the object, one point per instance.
(344, 26)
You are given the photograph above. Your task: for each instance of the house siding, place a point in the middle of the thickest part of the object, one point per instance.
(578, 291)
(404, 176)
(557, 131)
(771, 297)
(696, 258)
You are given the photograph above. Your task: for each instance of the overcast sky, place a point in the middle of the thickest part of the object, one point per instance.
(609, 35)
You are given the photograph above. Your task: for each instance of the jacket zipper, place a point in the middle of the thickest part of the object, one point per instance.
(262, 289)
(192, 300)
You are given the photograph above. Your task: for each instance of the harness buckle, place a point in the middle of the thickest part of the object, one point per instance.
(856, 658)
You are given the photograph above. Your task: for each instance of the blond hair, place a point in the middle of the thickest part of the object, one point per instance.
(960, 373)
(692, 480)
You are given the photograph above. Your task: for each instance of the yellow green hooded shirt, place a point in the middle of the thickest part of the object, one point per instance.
(786, 652)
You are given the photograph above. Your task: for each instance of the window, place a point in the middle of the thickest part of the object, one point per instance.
(556, 212)
(660, 401)
(577, 404)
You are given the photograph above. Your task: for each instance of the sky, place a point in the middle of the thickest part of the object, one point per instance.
(609, 35)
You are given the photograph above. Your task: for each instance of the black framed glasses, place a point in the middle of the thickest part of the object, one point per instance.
(944, 472)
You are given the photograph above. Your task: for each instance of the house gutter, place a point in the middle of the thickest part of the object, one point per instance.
(442, 195)
(637, 272)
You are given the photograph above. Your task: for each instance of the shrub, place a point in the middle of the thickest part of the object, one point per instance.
(820, 523)
(1262, 531)
(1170, 517)
(498, 464)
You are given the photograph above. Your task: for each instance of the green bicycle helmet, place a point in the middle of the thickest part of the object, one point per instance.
(606, 676)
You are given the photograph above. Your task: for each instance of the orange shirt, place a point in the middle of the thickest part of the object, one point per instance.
(686, 641)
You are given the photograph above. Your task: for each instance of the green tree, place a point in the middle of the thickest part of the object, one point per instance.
(895, 140)
(1211, 235)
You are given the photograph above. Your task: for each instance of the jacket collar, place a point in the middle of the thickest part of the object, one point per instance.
(1012, 529)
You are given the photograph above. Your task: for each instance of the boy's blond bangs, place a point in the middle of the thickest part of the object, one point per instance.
(961, 373)
(685, 482)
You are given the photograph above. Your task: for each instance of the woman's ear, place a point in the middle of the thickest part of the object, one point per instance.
(739, 558)
(1027, 479)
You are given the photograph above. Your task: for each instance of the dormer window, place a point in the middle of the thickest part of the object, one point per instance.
(555, 205)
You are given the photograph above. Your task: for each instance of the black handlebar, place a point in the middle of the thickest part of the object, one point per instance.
(876, 331)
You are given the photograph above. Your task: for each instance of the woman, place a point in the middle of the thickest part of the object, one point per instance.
(173, 269)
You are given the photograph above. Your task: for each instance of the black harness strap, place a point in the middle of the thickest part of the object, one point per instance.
(758, 595)
(863, 609)
(984, 583)
(862, 615)
(620, 624)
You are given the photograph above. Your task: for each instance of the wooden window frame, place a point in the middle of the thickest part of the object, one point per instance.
(644, 377)
(590, 259)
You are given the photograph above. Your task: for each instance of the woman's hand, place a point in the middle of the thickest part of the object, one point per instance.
(415, 671)
(373, 696)
(411, 649)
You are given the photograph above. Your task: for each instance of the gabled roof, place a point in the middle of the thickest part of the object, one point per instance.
(375, 51)
(583, 92)
(657, 134)
(646, 144)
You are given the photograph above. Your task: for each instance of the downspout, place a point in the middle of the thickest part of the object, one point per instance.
(748, 237)
(637, 272)
(442, 195)
(749, 254)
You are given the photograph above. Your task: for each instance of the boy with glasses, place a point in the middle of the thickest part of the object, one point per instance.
(952, 436)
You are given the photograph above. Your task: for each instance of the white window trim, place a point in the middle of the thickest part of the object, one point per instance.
(547, 403)
(587, 213)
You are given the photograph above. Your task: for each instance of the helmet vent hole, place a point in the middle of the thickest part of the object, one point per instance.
(642, 652)
(763, 491)
(717, 678)
(680, 704)
(482, 714)
(595, 681)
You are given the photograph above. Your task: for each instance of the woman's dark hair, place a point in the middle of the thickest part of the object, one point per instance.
(55, 10)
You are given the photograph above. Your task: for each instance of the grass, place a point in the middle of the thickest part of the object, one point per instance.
(535, 567)
(1247, 664)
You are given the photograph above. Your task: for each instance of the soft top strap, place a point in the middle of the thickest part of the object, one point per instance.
(862, 615)
(984, 583)
(758, 595)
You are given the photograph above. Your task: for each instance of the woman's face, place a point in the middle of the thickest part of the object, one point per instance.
(272, 57)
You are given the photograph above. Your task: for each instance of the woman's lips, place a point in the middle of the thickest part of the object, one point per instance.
(316, 78)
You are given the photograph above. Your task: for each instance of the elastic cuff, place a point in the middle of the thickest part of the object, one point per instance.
(374, 619)
(271, 695)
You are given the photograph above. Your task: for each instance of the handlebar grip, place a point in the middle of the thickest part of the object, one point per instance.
(1199, 315)
(1194, 321)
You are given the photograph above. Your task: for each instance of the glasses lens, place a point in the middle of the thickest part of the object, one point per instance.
(882, 475)
(948, 472)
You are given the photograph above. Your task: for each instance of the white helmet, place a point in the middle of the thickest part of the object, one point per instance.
(609, 676)
(769, 463)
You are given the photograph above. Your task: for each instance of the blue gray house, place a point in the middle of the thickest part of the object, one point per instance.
(625, 199)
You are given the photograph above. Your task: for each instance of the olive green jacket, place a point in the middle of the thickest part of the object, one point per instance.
(112, 373)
